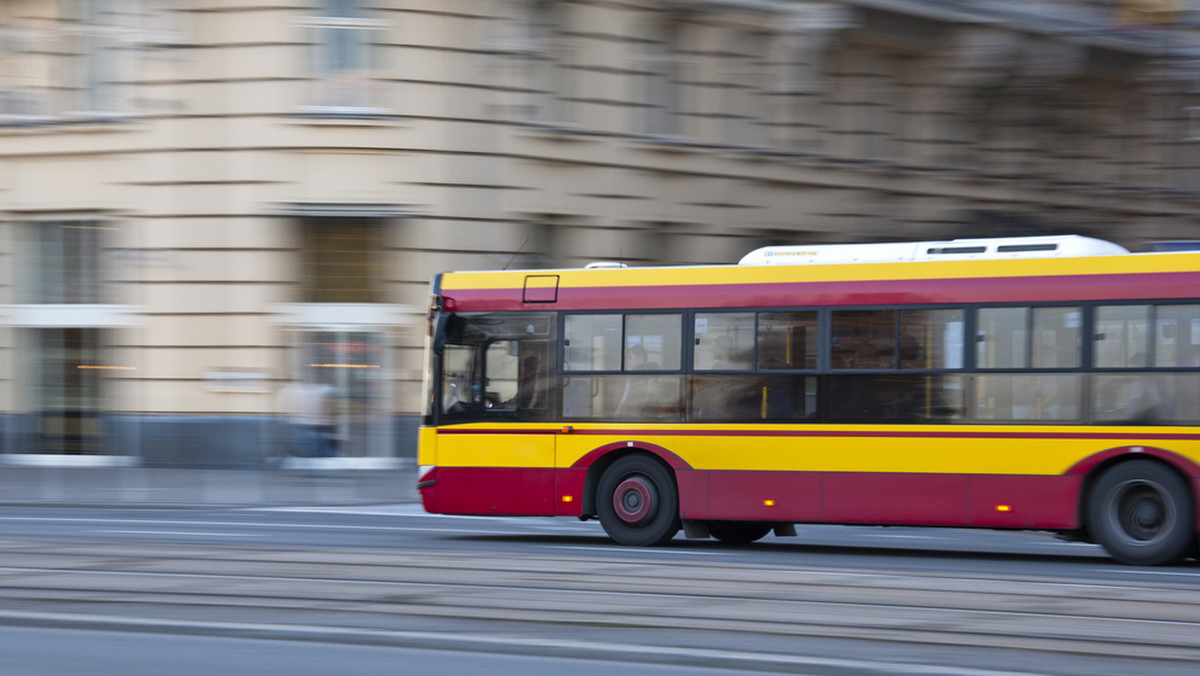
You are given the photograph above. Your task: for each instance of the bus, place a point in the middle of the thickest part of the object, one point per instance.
(1035, 383)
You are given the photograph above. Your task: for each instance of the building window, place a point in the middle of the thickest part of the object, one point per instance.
(65, 262)
(661, 76)
(549, 58)
(744, 106)
(95, 49)
(69, 391)
(23, 88)
(345, 56)
(343, 260)
(67, 58)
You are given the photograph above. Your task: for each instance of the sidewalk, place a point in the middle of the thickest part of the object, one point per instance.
(154, 487)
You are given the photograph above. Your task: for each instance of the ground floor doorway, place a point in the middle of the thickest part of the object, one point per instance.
(349, 363)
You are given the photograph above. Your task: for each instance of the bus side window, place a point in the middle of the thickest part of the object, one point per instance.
(931, 339)
(864, 339)
(787, 340)
(1177, 336)
(1012, 397)
(752, 398)
(724, 341)
(896, 398)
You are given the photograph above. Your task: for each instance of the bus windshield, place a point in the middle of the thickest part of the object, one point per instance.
(495, 365)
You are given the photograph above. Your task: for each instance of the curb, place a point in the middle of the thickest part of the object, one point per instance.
(180, 506)
(143, 488)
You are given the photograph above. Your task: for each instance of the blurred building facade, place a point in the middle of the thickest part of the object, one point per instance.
(201, 199)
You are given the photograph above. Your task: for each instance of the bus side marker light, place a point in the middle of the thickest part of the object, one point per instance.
(568, 498)
(768, 503)
(1003, 508)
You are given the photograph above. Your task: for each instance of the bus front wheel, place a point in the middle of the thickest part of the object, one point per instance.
(638, 502)
(1141, 512)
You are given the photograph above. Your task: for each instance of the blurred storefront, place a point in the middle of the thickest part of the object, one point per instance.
(201, 201)
(62, 328)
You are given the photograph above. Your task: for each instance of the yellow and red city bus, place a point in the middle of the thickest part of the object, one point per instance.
(1011, 384)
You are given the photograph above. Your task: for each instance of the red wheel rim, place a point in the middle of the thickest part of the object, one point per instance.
(634, 500)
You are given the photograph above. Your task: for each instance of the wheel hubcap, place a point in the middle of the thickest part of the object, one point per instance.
(1142, 512)
(1147, 515)
(635, 500)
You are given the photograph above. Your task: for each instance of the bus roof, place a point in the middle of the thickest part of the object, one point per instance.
(1055, 246)
(1009, 276)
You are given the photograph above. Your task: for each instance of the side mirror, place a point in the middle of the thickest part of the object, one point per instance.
(440, 331)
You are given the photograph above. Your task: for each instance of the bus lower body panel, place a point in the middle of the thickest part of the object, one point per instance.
(990, 501)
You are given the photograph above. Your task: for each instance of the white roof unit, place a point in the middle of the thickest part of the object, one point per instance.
(1055, 246)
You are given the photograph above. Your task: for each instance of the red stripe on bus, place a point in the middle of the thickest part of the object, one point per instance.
(650, 432)
(665, 455)
(1072, 288)
(992, 501)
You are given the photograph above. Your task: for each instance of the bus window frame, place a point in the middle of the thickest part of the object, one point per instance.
(460, 320)
(561, 343)
(1152, 344)
(1086, 331)
(970, 370)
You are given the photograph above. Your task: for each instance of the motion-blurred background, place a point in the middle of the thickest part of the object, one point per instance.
(202, 199)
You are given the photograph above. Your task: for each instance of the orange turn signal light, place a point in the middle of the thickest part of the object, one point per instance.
(768, 503)
(1003, 508)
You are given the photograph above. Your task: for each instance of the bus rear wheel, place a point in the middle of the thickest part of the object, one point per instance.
(638, 502)
(1141, 512)
(738, 532)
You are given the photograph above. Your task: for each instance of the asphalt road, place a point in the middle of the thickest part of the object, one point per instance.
(105, 653)
(392, 584)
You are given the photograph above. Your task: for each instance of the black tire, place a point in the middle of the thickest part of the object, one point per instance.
(1141, 512)
(738, 532)
(638, 502)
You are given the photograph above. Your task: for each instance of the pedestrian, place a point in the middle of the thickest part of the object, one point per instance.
(308, 408)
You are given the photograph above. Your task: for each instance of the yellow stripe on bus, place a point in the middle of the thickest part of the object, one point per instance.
(972, 449)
